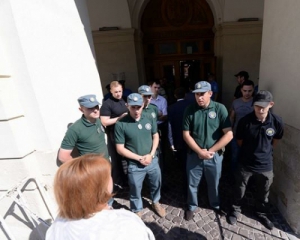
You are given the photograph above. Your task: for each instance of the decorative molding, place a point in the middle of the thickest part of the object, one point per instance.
(122, 35)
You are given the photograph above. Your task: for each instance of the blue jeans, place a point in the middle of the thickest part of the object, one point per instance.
(212, 169)
(136, 176)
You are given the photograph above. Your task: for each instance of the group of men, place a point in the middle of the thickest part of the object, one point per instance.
(198, 132)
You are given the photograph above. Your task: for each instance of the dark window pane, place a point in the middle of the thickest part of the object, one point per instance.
(151, 49)
(207, 45)
(167, 48)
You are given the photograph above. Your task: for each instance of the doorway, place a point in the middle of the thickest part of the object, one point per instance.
(178, 41)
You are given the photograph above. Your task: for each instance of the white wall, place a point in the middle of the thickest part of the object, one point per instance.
(235, 9)
(50, 62)
(279, 73)
(108, 13)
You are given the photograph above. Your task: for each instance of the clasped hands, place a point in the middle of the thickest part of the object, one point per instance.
(146, 159)
(206, 154)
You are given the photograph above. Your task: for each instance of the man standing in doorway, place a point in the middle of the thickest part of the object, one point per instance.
(206, 130)
(241, 77)
(240, 108)
(162, 124)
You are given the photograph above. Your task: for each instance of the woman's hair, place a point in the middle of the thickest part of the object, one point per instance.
(81, 186)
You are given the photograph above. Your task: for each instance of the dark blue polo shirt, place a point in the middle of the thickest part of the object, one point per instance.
(257, 151)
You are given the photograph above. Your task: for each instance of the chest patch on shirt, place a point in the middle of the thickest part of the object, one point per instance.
(102, 129)
(148, 126)
(140, 126)
(98, 130)
(153, 115)
(270, 132)
(212, 115)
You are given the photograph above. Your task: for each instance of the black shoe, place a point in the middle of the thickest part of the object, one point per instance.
(266, 222)
(219, 212)
(232, 219)
(188, 215)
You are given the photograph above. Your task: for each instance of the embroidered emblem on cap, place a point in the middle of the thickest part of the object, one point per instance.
(148, 126)
(198, 86)
(135, 99)
(140, 126)
(147, 89)
(153, 115)
(270, 132)
(212, 115)
(92, 99)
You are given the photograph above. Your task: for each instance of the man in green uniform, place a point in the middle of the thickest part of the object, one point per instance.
(137, 139)
(86, 134)
(206, 130)
(150, 110)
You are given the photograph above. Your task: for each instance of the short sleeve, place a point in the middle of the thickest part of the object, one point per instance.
(105, 109)
(119, 133)
(187, 120)
(70, 140)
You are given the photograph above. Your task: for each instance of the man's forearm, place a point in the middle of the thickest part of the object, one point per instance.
(127, 153)
(224, 140)
(191, 142)
(154, 144)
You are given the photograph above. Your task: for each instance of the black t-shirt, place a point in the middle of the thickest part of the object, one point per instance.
(113, 108)
(257, 151)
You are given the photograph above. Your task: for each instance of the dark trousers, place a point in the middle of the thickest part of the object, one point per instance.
(263, 183)
(118, 174)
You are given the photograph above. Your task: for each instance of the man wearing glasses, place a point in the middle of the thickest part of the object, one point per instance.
(86, 134)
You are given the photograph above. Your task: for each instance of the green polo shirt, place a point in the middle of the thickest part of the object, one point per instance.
(151, 111)
(206, 124)
(87, 137)
(136, 135)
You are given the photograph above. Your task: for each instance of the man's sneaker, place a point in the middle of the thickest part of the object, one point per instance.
(158, 209)
(188, 215)
(232, 217)
(266, 222)
(140, 213)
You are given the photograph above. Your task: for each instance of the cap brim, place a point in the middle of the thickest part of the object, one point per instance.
(147, 94)
(261, 104)
(135, 104)
(90, 105)
(200, 90)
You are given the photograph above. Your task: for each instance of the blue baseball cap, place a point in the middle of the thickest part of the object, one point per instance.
(88, 101)
(145, 90)
(202, 86)
(135, 99)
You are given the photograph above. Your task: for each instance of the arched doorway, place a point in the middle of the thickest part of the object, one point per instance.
(178, 40)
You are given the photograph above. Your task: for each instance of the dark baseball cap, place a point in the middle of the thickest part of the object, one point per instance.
(242, 74)
(262, 98)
